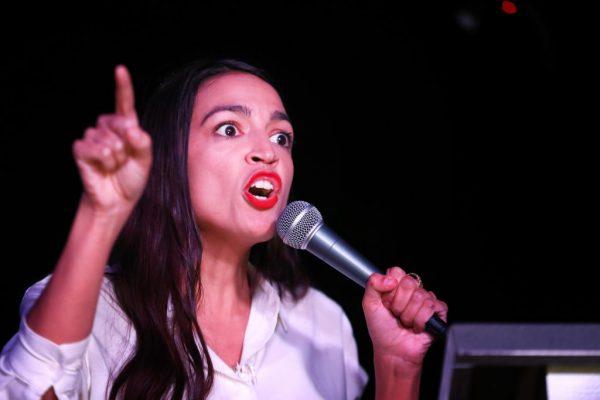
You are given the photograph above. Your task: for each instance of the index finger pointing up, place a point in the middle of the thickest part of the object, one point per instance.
(124, 97)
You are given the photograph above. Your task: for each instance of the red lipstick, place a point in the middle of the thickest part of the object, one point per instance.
(271, 200)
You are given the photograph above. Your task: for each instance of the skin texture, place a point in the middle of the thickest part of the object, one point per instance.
(219, 167)
(113, 159)
(223, 163)
(225, 149)
(396, 311)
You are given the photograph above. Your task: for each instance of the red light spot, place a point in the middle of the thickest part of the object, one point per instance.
(509, 7)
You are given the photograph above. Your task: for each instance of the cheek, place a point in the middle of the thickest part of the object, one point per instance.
(209, 181)
(288, 178)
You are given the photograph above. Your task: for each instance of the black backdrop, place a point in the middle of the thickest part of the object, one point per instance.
(443, 138)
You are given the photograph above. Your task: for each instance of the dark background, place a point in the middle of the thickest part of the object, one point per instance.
(449, 139)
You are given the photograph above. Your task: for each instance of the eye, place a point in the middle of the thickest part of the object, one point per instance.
(283, 139)
(227, 129)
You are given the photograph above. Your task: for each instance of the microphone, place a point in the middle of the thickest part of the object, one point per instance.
(301, 226)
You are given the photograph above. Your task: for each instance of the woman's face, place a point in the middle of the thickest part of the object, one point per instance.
(240, 164)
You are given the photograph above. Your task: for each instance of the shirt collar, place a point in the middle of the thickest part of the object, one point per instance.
(265, 313)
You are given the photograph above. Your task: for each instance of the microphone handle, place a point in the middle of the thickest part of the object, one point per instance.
(329, 247)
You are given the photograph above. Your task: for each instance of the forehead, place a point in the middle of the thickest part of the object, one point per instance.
(237, 88)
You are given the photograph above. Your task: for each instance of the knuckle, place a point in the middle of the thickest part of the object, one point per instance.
(372, 279)
(103, 119)
(75, 147)
(109, 135)
(118, 144)
(89, 132)
(105, 152)
(419, 295)
(398, 270)
(100, 134)
(132, 132)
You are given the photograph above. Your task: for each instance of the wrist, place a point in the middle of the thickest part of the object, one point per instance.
(396, 378)
(400, 367)
(106, 223)
(109, 216)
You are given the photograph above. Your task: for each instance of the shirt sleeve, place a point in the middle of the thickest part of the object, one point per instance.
(355, 376)
(30, 363)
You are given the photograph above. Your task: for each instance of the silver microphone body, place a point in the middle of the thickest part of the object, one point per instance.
(301, 226)
(330, 248)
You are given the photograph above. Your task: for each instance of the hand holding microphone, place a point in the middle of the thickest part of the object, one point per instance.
(301, 226)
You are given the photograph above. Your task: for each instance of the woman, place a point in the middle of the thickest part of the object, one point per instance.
(203, 300)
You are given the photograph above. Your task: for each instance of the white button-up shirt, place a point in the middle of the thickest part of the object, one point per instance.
(302, 350)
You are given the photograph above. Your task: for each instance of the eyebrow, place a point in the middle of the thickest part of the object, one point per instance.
(279, 116)
(228, 107)
(241, 109)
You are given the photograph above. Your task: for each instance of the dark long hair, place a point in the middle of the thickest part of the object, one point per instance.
(157, 256)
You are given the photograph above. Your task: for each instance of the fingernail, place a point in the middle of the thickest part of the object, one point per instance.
(409, 282)
(388, 281)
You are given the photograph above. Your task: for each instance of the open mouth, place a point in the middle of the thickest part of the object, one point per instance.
(262, 190)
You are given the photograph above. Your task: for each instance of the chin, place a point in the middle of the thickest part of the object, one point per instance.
(263, 234)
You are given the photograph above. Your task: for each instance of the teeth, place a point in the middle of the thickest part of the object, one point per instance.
(262, 184)
(260, 197)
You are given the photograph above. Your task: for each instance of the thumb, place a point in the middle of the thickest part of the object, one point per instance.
(377, 286)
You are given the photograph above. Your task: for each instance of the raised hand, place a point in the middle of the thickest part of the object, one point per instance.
(115, 156)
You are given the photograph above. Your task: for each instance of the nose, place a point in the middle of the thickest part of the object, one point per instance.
(262, 152)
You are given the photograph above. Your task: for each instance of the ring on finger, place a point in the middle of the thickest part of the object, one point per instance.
(417, 278)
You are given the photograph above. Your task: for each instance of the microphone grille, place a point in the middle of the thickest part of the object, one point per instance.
(296, 222)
